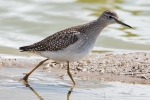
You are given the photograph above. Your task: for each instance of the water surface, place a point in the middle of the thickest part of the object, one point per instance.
(43, 87)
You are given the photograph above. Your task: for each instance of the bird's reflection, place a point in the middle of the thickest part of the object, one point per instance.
(69, 93)
(28, 85)
(40, 98)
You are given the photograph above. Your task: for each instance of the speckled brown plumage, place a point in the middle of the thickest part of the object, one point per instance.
(52, 43)
(57, 41)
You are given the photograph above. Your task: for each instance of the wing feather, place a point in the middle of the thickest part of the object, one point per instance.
(55, 42)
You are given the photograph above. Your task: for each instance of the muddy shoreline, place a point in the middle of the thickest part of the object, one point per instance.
(125, 67)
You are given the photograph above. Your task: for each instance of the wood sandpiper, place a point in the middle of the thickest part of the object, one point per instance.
(71, 44)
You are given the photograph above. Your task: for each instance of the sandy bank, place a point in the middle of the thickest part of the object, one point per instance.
(127, 67)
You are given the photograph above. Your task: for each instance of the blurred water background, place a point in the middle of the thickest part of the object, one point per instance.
(26, 22)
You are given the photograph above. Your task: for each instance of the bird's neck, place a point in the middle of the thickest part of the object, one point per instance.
(95, 28)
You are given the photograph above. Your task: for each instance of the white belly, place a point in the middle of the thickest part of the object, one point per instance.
(63, 56)
(72, 53)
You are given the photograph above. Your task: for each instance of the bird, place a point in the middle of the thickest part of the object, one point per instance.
(71, 44)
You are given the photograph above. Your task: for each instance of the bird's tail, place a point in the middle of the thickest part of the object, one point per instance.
(25, 48)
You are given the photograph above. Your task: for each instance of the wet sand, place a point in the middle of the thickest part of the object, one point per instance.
(123, 67)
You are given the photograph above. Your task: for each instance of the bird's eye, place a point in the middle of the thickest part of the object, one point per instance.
(110, 17)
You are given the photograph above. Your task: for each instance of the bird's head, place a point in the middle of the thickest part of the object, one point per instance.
(111, 17)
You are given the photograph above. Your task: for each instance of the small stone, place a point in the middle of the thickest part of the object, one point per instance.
(73, 68)
(47, 66)
(102, 71)
(84, 70)
(79, 68)
(109, 54)
(93, 70)
(144, 77)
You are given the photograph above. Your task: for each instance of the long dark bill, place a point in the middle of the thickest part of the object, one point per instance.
(119, 22)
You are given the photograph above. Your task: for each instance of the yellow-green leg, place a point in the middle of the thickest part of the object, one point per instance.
(68, 71)
(25, 78)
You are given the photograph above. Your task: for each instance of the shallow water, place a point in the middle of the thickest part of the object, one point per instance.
(43, 87)
(25, 22)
